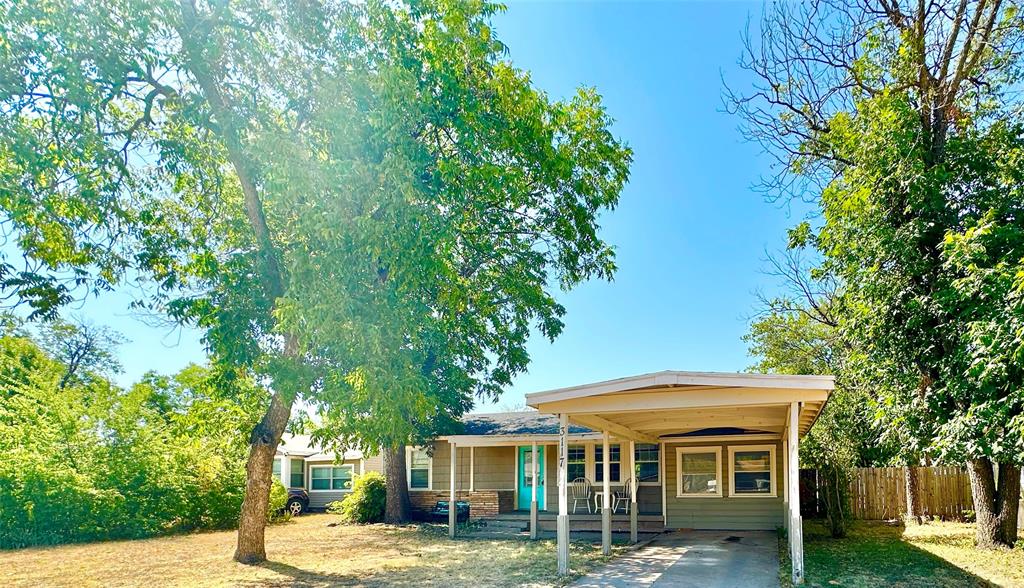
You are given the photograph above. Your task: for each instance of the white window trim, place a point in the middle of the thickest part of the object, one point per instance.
(302, 470)
(660, 457)
(588, 462)
(717, 450)
(351, 469)
(408, 469)
(623, 448)
(280, 467)
(773, 472)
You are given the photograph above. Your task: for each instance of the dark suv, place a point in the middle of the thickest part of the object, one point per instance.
(298, 501)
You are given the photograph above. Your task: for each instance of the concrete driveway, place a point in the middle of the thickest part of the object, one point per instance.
(701, 559)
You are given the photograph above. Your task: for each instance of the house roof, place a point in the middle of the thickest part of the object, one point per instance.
(515, 423)
(303, 446)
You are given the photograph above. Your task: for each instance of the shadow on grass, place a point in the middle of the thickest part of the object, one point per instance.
(874, 554)
(300, 578)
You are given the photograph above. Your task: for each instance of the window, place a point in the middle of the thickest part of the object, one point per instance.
(576, 462)
(331, 478)
(752, 467)
(277, 468)
(699, 471)
(615, 463)
(418, 462)
(297, 474)
(645, 461)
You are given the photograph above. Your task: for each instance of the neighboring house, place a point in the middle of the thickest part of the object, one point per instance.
(325, 476)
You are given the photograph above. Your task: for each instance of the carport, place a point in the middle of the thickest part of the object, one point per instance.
(703, 417)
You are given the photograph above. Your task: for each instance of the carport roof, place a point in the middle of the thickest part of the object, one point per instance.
(670, 403)
(671, 379)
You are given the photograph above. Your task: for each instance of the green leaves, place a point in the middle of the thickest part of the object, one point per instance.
(422, 199)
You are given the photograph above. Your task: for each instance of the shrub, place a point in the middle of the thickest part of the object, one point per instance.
(366, 502)
(835, 494)
(90, 461)
(278, 500)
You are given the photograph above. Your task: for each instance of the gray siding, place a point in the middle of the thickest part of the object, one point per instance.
(648, 500)
(374, 463)
(319, 499)
(728, 513)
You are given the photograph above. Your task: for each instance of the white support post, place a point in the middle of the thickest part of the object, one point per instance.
(633, 531)
(664, 483)
(796, 533)
(606, 485)
(472, 468)
(785, 487)
(534, 474)
(562, 527)
(453, 511)
(286, 471)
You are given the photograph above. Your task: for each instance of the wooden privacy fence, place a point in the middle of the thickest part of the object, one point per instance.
(880, 493)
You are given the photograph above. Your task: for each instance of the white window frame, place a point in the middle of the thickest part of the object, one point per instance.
(773, 472)
(352, 476)
(717, 450)
(279, 461)
(598, 466)
(633, 463)
(588, 464)
(292, 472)
(408, 469)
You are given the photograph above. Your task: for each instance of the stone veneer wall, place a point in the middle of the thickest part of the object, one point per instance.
(482, 503)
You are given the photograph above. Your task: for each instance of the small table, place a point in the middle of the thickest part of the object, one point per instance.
(599, 501)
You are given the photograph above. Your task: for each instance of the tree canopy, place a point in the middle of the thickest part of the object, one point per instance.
(364, 204)
(903, 121)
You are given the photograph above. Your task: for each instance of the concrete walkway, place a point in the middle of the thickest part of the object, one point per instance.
(698, 559)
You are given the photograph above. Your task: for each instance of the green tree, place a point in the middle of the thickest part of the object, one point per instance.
(84, 348)
(86, 460)
(362, 204)
(904, 121)
(798, 332)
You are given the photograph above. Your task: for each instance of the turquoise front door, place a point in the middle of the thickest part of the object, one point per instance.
(524, 477)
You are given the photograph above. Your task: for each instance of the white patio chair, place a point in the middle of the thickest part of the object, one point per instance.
(579, 491)
(624, 496)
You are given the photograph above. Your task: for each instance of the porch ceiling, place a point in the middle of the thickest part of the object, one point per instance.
(649, 426)
(650, 406)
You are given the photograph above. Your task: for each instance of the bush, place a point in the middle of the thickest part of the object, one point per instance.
(366, 502)
(90, 461)
(278, 500)
(835, 494)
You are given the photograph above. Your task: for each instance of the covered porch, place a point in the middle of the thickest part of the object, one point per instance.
(727, 444)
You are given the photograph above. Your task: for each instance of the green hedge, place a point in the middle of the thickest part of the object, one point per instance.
(90, 461)
(366, 502)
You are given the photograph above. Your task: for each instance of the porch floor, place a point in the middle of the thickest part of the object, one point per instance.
(524, 515)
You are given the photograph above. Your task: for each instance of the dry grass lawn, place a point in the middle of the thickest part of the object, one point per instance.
(935, 555)
(302, 552)
(954, 543)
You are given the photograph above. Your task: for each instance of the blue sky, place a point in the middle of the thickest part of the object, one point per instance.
(690, 232)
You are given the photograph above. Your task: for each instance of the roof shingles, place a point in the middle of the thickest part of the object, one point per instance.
(515, 423)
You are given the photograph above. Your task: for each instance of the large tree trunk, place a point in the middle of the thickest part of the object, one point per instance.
(258, 471)
(912, 485)
(203, 48)
(397, 508)
(995, 505)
